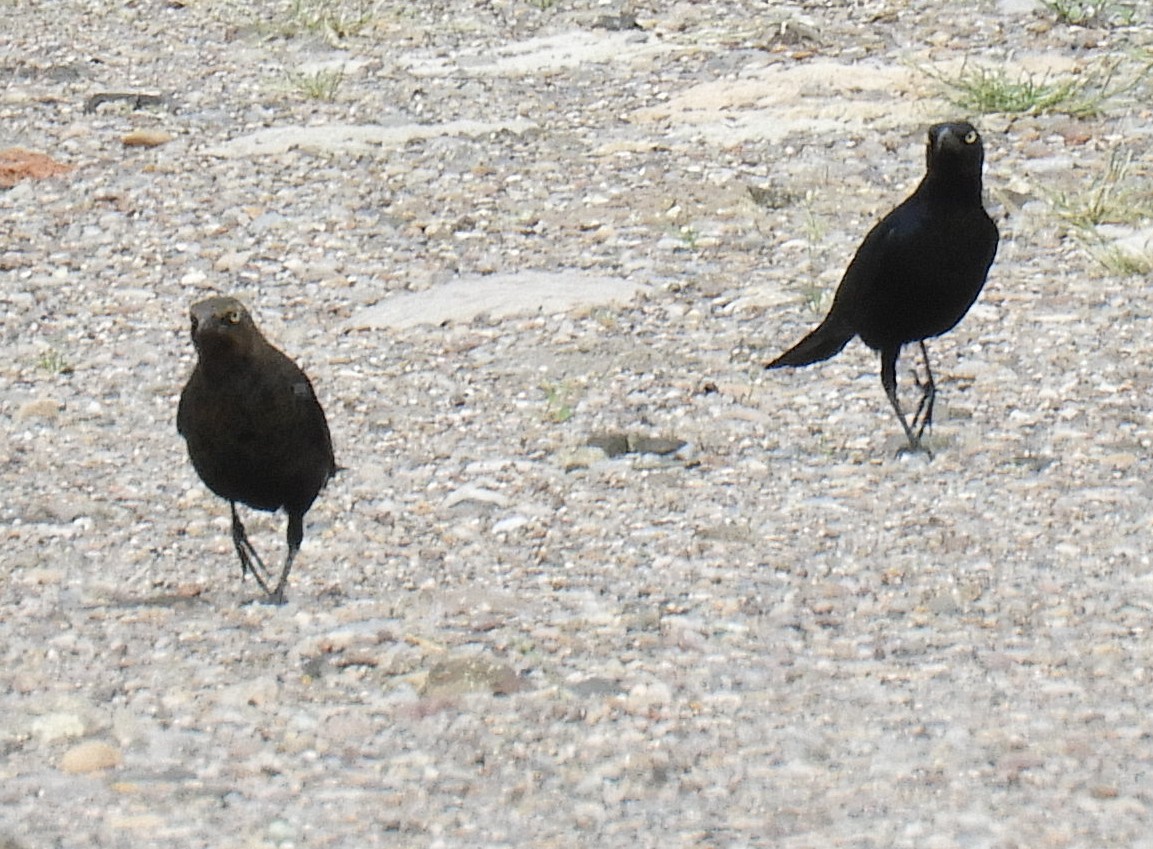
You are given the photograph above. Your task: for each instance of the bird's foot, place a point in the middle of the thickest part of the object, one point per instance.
(269, 598)
(277, 595)
(915, 446)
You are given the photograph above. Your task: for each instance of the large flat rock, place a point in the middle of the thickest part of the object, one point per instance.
(497, 295)
(824, 97)
(356, 138)
(544, 54)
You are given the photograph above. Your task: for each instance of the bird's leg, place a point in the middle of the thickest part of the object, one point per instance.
(924, 412)
(249, 559)
(277, 595)
(295, 537)
(889, 382)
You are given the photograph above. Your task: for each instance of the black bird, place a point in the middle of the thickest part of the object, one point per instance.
(255, 431)
(916, 273)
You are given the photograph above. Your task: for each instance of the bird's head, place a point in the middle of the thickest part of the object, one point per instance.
(954, 150)
(222, 328)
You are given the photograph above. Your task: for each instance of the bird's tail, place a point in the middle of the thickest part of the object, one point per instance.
(828, 339)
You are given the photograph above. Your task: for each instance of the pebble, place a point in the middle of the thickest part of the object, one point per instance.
(57, 726)
(90, 756)
(281, 833)
(47, 409)
(146, 138)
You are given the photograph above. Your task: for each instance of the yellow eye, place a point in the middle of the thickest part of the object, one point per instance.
(233, 317)
(971, 137)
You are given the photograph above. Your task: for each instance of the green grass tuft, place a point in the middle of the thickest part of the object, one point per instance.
(1122, 263)
(560, 399)
(1100, 13)
(321, 85)
(1111, 198)
(333, 19)
(54, 362)
(983, 90)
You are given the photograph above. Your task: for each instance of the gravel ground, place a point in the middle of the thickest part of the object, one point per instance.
(780, 635)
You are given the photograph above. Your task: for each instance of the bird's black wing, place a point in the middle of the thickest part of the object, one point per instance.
(888, 252)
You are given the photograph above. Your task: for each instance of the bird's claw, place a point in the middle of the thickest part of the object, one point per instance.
(916, 447)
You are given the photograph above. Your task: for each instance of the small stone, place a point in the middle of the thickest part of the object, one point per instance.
(596, 686)
(589, 815)
(655, 445)
(57, 726)
(612, 444)
(40, 408)
(140, 823)
(472, 674)
(582, 458)
(644, 698)
(280, 832)
(509, 524)
(18, 164)
(146, 138)
(232, 261)
(90, 756)
(476, 495)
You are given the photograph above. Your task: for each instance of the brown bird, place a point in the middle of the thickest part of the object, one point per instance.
(916, 273)
(255, 431)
